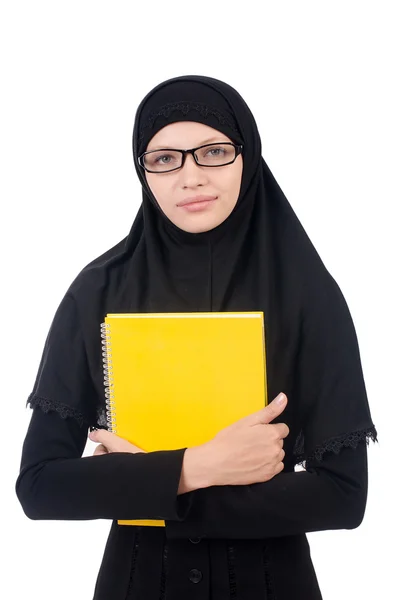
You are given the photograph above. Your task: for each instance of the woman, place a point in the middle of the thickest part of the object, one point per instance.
(206, 239)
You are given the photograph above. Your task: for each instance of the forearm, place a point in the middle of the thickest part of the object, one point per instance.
(112, 486)
(56, 483)
(332, 496)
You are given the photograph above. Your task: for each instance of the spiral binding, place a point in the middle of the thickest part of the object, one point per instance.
(108, 377)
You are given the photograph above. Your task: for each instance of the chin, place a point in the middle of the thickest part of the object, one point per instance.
(198, 227)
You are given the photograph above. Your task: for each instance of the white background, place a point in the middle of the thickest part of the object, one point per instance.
(320, 80)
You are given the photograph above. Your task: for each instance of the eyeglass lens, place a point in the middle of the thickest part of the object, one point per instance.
(213, 155)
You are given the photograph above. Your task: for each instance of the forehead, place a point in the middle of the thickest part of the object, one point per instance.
(185, 134)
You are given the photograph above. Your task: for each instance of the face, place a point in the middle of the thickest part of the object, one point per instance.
(221, 184)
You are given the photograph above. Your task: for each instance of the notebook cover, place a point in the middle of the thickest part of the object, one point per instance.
(176, 379)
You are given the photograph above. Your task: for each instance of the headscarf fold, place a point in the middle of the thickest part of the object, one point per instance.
(259, 259)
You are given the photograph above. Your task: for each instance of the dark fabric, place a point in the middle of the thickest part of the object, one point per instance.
(55, 483)
(156, 115)
(259, 258)
(250, 539)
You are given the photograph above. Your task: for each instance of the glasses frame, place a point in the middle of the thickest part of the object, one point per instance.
(238, 148)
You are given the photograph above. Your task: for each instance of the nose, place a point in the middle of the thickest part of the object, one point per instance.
(192, 174)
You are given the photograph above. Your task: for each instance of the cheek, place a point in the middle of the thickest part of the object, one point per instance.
(230, 183)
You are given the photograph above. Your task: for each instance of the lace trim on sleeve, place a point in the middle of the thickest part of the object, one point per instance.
(63, 410)
(347, 440)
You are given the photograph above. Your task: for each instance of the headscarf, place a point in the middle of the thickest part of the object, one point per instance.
(258, 259)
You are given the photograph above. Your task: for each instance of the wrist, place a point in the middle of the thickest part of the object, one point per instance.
(195, 470)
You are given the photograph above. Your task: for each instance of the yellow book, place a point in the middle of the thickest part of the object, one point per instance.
(173, 380)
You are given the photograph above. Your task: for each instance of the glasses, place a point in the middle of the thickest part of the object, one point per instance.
(209, 155)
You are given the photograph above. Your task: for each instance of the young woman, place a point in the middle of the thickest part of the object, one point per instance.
(214, 233)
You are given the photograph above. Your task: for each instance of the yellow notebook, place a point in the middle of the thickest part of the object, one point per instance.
(173, 380)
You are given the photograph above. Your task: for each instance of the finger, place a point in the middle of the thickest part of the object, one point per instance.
(100, 450)
(271, 411)
(279, 468)
(113, 442)
(274, 409)
(100, 435)
(281, 429)
(108, 439)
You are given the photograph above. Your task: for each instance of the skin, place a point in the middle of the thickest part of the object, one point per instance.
(192, 179)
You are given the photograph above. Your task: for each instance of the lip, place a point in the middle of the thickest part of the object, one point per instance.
(196, 199)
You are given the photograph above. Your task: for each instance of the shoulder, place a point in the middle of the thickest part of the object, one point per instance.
(99, 273)
(94, 291)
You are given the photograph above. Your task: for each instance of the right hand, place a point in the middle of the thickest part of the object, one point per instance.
(249, 450)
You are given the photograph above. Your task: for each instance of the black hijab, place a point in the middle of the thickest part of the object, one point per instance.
(259, 259)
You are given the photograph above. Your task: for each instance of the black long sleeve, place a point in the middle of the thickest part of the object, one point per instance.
(55, 482)
(330, 494)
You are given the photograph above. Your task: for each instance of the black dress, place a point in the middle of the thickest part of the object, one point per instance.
(219, 543)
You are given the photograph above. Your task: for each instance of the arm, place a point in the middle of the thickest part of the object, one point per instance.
(55, 482)
(328, 495)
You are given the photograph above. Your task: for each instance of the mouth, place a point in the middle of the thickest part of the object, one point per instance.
(195, 200)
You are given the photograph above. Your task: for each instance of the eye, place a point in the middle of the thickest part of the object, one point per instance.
(164, 159)
(157, 160)
(216, 152)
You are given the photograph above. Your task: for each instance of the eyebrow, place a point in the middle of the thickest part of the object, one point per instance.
(213, 139)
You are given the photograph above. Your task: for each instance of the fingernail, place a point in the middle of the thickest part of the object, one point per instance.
(280, 399)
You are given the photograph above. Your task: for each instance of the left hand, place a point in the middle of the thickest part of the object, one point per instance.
(109, 442)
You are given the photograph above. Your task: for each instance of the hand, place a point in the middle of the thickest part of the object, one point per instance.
(109, 442)
(249, 450)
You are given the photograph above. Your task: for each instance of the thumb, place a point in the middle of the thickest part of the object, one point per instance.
(104, 437)
(272, 410)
